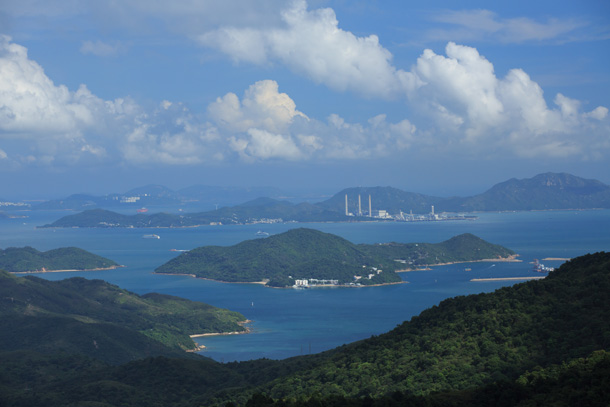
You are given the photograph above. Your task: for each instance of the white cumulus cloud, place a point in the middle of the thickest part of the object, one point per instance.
(466, 100)
(262, 106)
(312, 44)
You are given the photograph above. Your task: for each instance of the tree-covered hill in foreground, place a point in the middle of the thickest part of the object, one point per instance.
(539, 343)
(311, 254)
(28, 259)
(101, 320)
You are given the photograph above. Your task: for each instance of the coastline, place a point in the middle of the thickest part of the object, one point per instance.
(63, 271)
(240, 323)
(508, 278)
(211, 279)
(264, 282)
(510, 259)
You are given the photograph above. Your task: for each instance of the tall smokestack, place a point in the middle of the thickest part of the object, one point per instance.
(370, 208)
(346, 212)
(359, 206)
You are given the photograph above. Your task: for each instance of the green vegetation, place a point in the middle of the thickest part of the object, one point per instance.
(462, 248)
(311, 254)
(538, 343)
(100, 320)
(295, 254)
(249, 212)
(28, 259)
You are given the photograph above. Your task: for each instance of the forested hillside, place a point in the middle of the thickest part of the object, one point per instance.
(311, 254)
(101, 320)
(28, 259)
(539, 343)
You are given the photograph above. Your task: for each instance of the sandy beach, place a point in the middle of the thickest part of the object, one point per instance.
(241, 323)
(63, 271)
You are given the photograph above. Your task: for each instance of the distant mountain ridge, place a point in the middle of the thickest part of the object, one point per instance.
(544, 191)
(159, 195)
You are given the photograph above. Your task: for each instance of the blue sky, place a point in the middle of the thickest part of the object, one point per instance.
(431, 97)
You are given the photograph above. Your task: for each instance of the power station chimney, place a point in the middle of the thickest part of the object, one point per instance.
(432, 213)
(370, 208)
(346, 211)
(359, 206)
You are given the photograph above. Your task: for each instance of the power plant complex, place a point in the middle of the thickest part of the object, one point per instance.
(400, 216)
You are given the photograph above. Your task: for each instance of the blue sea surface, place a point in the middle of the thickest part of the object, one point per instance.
(291, 322)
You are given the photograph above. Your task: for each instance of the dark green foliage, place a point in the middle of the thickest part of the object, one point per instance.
(296, 254)
(98, 319)
(474, 340)
(581, 382)
(308, 253)
(540, 343)
(19, 260)
(462, 248)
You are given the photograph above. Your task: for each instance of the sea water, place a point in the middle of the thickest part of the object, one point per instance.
(291, 322)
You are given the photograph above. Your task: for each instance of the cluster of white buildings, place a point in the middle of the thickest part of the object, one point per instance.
(17, 204)
(303, 283)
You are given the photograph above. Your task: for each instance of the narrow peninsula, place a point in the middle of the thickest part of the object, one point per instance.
(306, 257)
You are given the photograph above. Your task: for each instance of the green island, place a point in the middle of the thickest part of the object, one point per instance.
(29, 260)
(101, 320)
(306, 257)
(538, 343)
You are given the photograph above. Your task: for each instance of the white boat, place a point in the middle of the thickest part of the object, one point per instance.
(151, 237)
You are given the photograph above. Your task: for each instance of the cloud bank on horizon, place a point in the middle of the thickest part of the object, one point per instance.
(450, 102)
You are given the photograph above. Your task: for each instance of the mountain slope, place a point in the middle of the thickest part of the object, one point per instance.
(100, 320)
(536, 343)
(472, 341)
(295, 254)
(311, 254)
(544, 191)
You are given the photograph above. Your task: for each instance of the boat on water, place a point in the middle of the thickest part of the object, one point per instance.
(261, 233)
(142, 210)
(541, 268)
(151, 237)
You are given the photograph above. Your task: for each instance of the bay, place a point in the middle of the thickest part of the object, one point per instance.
(290, 322)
